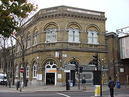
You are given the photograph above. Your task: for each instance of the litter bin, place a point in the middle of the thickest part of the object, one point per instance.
(118, 84)
(67, 86)
(97, 90)
(71, 83)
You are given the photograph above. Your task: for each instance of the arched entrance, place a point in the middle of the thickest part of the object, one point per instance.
(50, 73)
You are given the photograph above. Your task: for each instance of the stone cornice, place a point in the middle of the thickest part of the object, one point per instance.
(65, 12)
(65, 15)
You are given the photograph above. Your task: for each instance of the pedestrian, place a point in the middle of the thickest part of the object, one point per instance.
(18, 85)
(83, 83)
(26, 82)
(111, 86)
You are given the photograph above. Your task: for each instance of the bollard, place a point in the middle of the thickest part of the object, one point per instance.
(97, 90)
(67, 86)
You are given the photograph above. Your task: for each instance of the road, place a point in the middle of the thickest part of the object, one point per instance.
(63, 94)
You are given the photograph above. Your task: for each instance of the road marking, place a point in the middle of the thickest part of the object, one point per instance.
(63, 94)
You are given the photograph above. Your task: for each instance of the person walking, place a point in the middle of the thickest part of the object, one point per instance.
(111, 86)
(18, 84)
(84, 83)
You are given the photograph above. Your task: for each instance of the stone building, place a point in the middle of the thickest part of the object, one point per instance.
(60, 39)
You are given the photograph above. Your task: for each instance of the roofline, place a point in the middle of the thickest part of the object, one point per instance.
(71, 7)
(63, 6)
(124, 36)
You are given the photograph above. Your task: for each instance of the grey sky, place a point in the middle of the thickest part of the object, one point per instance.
(117, 11)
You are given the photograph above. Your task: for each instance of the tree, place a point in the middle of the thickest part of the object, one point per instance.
(13, 14)
(10, 13)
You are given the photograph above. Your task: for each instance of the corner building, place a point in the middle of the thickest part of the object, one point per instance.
(60, 36)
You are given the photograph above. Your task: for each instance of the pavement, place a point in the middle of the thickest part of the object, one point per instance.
(89, 88)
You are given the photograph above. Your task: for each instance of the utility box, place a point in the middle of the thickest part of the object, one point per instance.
(97, 77)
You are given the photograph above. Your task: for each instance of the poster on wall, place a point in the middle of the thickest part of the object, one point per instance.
(124, 47)
(59, 76)
(39, 76)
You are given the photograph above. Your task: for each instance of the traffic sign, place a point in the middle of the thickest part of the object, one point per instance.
(21, 70)
(66, 70)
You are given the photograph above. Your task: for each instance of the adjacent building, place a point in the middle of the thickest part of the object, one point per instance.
(113, 54)
(123, 73)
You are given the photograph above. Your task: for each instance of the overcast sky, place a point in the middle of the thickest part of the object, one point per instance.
(117, 11)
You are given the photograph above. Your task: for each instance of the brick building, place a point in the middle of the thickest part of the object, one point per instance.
(58, 38)
(113, 54)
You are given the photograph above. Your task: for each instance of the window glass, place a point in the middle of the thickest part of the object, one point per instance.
(28, 41)
(92, 37)
(35, 38)
(73, 35)
(54, 66)
(51, 64)
(34, 71)
(51, 35)
(27, 71)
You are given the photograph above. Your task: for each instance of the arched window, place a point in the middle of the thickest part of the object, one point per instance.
(92, 37)
(28, 44)
(54, 66)
(73, 35)
(35, 37)
(51, 64)
(48, 66)
(34, 70)
(51, 32)
(51, 35)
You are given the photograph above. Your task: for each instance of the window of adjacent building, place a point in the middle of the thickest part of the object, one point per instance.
(34, 71)
(51, 35)
(27, 71)
(35, 38)
(73, 35)
(92, 37)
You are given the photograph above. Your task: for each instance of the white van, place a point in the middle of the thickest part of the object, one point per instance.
(3, 79)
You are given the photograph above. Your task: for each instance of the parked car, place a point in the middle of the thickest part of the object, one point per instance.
(3, 79)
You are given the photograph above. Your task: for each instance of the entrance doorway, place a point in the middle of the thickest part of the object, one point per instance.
(50, 73)
(50, 78)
